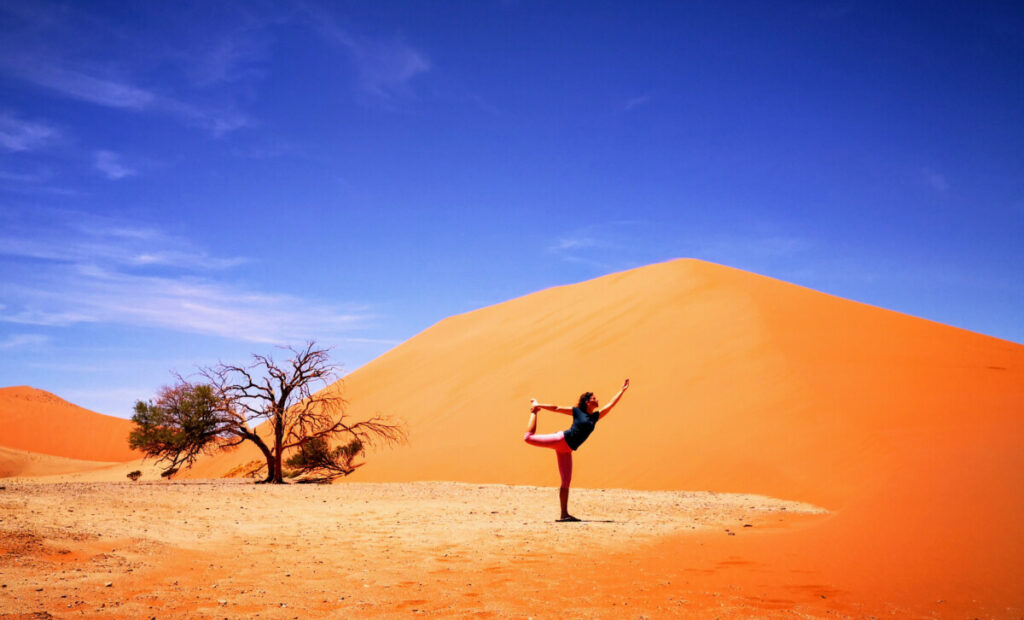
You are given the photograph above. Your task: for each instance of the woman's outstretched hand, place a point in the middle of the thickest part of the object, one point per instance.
(534, 405)
(625, 385)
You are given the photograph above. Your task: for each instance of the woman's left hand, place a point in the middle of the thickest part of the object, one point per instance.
(625, 385)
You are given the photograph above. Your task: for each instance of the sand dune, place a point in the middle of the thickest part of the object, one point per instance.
(909, 430)
(37, 421)
(33, 464)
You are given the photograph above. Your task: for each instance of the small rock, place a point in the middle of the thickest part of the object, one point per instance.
(108, 584)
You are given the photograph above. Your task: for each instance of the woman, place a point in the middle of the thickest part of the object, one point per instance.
(584, 416)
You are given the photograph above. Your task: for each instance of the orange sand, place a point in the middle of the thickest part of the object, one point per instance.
(202, 550)
(909, 430)
(36, 421)
(22, 463)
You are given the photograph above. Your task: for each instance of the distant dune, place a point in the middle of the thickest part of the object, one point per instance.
(33, 464)
(908, 430)
(37, 421)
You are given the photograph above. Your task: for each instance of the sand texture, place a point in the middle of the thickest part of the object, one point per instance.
(230, 549)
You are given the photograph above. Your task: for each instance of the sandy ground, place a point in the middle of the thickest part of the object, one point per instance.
(234, 549)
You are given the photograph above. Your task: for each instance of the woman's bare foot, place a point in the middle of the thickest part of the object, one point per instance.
(567, 518)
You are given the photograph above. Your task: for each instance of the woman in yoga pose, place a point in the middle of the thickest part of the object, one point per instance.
(584, 416)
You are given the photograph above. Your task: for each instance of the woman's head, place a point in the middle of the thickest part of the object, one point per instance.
(588, 402)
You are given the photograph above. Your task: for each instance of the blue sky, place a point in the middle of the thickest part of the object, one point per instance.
(186, 182)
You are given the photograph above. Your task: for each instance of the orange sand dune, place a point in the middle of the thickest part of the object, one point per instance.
(22, 463)
(37, 421)
(908, 430)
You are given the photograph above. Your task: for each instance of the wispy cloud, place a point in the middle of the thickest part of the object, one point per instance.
(73, 237)
(113, 92)
(634, 102)
(385, 66)
(186, 304)
(38, 175)
(572, 243)
(623, 244)
(104, 91)
(232, 57)
(87, 269)
(22, 341)
(20, 135)
(113, 84)
(604, 246)
(109, 163)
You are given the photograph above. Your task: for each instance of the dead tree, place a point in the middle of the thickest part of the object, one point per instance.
(283, 395)
(189, 419)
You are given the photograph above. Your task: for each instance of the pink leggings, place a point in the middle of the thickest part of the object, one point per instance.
(555, 441)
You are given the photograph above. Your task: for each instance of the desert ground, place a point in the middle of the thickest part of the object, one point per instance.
(235, 549)
(230, 549)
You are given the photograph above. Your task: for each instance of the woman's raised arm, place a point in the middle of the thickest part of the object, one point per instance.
(555, 408)
(603, 411)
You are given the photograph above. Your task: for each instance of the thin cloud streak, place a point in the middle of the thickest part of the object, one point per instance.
(119, 94)
(228, 60)
(21, 135)
(22, 341)
(572, 244)
(78, 85)
(95, 270)
(634, 102)
(78, 238)
(385, 67)
(109, 163)
(63, 296)
(608, 241)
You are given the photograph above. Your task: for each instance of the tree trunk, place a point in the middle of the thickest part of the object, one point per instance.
(276, 476)
(267, 454)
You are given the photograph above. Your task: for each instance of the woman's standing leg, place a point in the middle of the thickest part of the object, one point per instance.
(565, 470)
(555, 441)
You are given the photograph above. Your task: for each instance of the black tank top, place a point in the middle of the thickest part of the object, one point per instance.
(582, 425)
